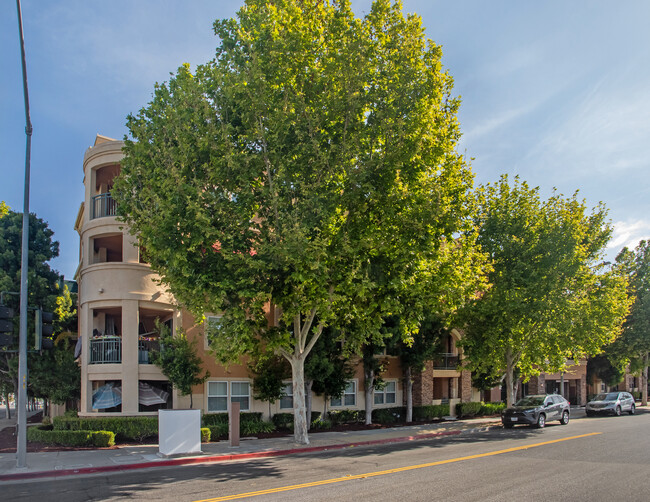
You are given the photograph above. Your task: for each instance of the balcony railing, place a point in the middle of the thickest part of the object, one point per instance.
(106, 350)
(145, 348)
(445, 361)
(103, 205)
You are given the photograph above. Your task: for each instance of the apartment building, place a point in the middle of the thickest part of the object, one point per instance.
(121, 302)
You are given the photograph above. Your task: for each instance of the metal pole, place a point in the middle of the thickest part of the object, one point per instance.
(21, 406)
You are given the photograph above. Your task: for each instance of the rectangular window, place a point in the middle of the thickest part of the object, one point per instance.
(286, 402)
(217, 396)
(212, 323)
(349, 397)
(240, 393)
(387, 395)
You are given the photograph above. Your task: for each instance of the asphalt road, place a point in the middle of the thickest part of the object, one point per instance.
(590, 459)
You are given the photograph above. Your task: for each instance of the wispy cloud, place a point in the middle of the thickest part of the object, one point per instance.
(629, 233)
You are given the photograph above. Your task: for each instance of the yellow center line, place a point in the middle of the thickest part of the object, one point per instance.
(389, 471)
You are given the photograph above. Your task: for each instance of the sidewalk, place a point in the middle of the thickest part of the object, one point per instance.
(68, 463)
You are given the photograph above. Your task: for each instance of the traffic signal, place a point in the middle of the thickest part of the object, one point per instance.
(6, 326)
(44, 330)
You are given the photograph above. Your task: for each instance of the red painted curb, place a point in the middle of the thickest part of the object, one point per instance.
(216, 458)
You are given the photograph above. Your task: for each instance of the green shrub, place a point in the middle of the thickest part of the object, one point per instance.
(205, 434)
(346, 417)
(430, 412)
(218, 431)
(71, 413)
(321, 424)
(493, 408)
(252, 428)
(283, 421)
(468, 410)
(389, 415)
(315, 415)
(99, 439)
(124, 428)
(222, 418)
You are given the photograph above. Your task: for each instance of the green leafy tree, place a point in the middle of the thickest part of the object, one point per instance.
(179, 362)
(634, 345)
(314, 150)
(269, 372)
(549, 300)
(42, 280)
(4, 209)
(601, 367)
(327, 370)
(415, 352)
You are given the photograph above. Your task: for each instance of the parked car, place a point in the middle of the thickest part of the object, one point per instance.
(614, 403)
(537, 410)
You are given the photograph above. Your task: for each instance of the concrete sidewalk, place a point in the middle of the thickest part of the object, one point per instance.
(69, 463)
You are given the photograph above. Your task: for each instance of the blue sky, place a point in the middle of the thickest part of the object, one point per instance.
(557, 92)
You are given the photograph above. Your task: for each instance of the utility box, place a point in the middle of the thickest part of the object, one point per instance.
(179, 432)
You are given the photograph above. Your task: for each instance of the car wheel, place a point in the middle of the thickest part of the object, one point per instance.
(632, 410)
(565, 418)
(541, 421)
(617, 411)
(508, 426)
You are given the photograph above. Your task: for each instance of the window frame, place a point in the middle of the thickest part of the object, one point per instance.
(206, 344)
(341, 399)
(383, 393)
(216, 396)
(240, 396)
(228, 395)
(289, 395)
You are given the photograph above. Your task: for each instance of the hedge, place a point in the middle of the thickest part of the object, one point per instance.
(222, 418)
(99, 439)
(475, 409)
(284, 421)
(346, 417)
(430, 412)
(125, 428)
(389, 415)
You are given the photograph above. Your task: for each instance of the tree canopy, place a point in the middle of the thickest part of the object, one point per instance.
(633, 347)
(306, 176)
(549, 298)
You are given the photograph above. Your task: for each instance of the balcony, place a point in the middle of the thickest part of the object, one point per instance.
(445, 361)
(145, 349)
(106, 350)
(102, 205)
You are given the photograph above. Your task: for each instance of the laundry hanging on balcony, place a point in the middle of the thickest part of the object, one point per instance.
(107, 396)
(149, 395)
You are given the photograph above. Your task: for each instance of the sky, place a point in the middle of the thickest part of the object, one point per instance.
(556, 92)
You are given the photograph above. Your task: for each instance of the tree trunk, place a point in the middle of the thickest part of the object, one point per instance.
(7, 403)
(370, 383)
(409, 394)
(308, 384)
(510, 384)
(644, 381)
(300, 432)
(191, 404)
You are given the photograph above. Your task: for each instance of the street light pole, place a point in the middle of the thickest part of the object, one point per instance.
(21, 406)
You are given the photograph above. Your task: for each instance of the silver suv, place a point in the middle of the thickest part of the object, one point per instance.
(614, 403)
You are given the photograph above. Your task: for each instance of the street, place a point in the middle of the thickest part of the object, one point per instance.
(590, 459)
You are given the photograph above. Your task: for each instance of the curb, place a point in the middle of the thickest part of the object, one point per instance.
(229, 457)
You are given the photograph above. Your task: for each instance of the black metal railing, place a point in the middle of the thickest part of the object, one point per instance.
(445, 361)
(106, 350)
(145, 349)
(103, 205)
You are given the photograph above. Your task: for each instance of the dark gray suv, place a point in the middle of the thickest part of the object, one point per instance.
(537, 410)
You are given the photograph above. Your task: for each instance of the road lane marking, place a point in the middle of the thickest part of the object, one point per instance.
(389, 471)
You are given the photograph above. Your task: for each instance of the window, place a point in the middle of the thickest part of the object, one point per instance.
(217, 396)
(240, 393)
(286, 402)
(212, 324)
(387, 395)
(349, 397)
